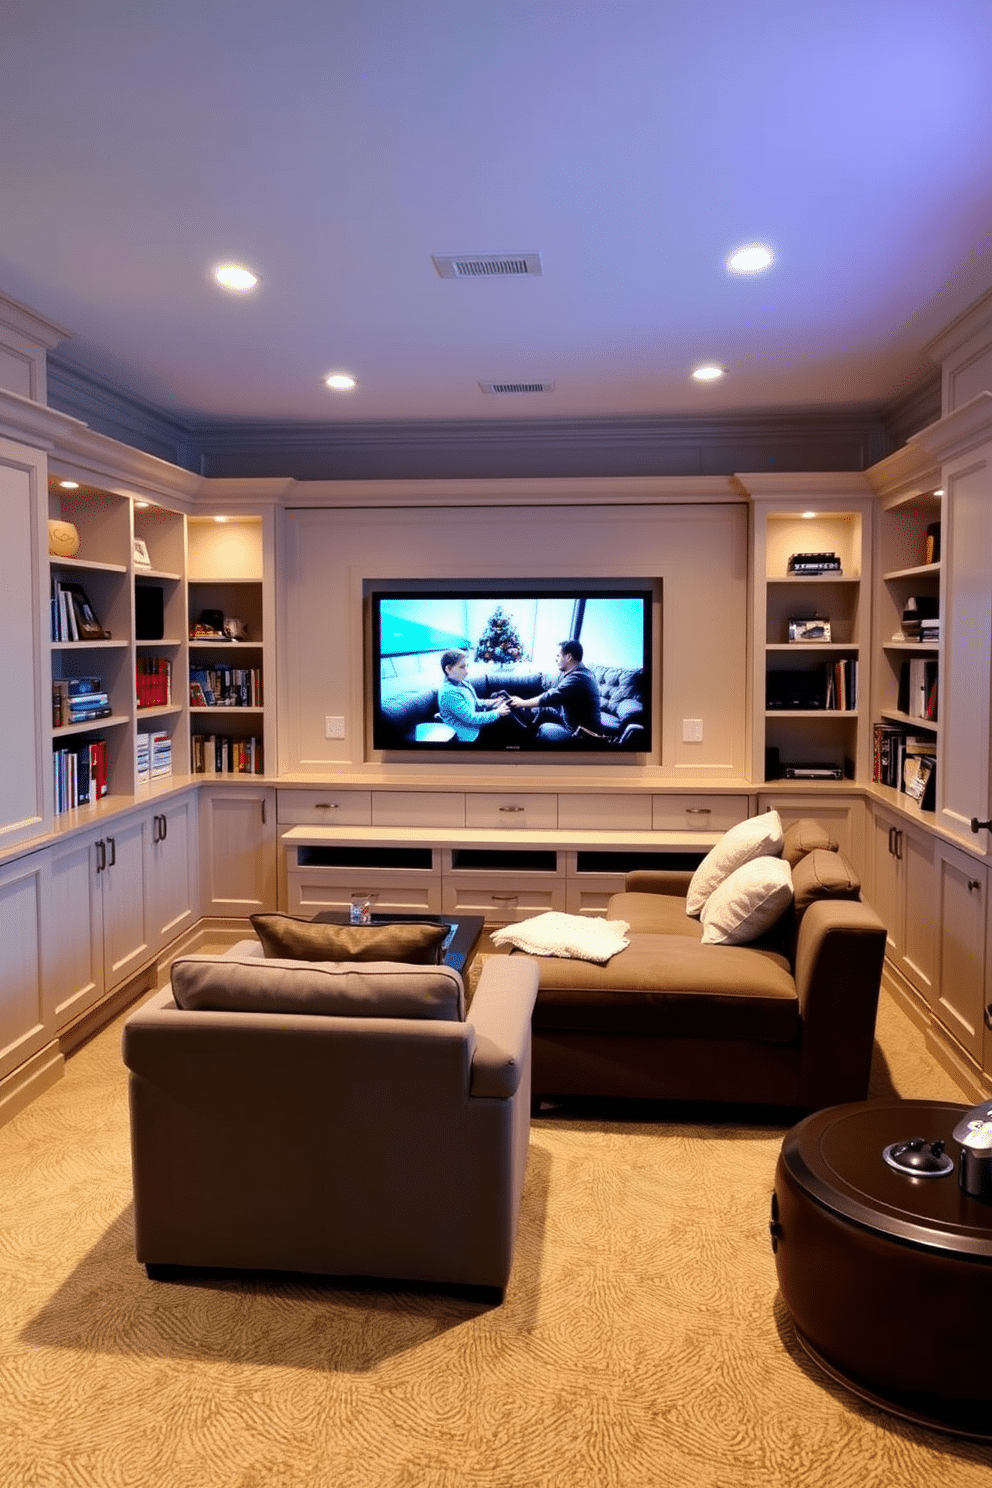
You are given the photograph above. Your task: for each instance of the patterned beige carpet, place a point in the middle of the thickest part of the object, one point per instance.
(642, 1341)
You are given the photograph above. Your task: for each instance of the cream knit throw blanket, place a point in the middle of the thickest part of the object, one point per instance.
(557, 934)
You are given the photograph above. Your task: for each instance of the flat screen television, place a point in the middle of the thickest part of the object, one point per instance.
(460, 669)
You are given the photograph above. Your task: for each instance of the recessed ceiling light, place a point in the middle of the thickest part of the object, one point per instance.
(69, 485)
(708, 373)
(750, 259)
(340, 382)
(809, 515)
(220, 519)
(235, 276)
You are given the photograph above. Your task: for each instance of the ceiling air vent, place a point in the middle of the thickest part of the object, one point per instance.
(486, 265)
(516, 387)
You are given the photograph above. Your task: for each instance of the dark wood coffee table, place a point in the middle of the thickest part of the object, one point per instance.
(464, 931)
(888, 1276)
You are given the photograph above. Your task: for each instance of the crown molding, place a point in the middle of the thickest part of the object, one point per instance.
(842, 438)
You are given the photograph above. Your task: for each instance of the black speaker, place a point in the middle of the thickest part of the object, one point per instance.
(149, 612)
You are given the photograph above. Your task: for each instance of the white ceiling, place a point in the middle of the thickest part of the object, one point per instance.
(335, 145)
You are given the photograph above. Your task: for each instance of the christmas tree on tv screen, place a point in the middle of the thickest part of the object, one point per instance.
(499, 643)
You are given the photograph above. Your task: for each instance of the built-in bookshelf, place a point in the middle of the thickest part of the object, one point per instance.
(90, 647)
(227, 658)
(812, 633)
(160, 642)
(906, 695)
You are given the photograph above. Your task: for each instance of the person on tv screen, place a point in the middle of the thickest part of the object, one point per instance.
(458, 704)
(572, 703)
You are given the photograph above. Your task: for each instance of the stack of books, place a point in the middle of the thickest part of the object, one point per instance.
(153, 755)
(77, 700)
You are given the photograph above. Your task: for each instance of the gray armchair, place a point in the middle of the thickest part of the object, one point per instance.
(334, 1143)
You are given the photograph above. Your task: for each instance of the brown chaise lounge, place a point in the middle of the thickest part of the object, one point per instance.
(787, 1020)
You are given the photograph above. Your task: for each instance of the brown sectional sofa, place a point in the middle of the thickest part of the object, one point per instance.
(787, 1020)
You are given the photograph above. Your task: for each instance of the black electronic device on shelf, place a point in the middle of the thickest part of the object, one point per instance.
(814, 563)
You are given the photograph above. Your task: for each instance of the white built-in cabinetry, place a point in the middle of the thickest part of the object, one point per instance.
(504, 856)
(238, 864)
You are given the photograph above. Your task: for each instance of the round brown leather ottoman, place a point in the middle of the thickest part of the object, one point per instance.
(888, 1275)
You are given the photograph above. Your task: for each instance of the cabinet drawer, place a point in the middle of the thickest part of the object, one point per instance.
(512, 812)
(310, 890)
(590, 893)
(605, 813)
(697, 813)
(418, 809)
(501, 900)
(324, 808)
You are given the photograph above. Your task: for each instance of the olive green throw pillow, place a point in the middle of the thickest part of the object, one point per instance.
(288, 939)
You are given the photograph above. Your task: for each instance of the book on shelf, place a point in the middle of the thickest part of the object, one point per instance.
(226, 687)
(905, 762)
(199, 679)
(78, 700)
(73, 617)
(142, 757)
(153, 681)
(160, 756)
(223, 754)
(80, 774)
(918, 687)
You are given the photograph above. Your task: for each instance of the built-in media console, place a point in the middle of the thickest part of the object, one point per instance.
(503, 856)
(536, 667)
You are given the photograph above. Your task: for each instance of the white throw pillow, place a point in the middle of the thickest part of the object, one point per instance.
(747, 903)
(758, 837)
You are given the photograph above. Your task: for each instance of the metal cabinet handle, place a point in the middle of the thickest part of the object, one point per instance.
(325, 806)
(979, 826)
(113, 852)
(988, 1017)
(698, 810)
(507, 898)
(511, 808)
(101, 855)
(973, 884)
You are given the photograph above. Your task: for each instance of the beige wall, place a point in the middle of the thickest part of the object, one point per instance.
(698, 552)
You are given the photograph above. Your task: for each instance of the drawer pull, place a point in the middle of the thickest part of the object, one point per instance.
(698, 810)
(505, 898)
(326, 806)
(973, 884)
(512, 808)
(978, 826)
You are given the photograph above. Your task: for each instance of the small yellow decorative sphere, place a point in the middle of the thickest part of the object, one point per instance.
(63, 539)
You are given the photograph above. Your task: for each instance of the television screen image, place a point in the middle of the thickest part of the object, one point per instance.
(495, 668)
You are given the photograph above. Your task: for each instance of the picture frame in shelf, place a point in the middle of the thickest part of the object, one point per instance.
(809, 628)
(140, 554)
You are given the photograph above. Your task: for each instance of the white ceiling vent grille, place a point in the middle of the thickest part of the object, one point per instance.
(516, 387)
(486, 265)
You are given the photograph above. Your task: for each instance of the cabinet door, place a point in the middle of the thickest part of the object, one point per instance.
(173, 869)
(237, 851)
(24, 780)
(73, 944)
(23, 1017)
(902, 894)
(126, 920)
(962, 888)
(842, 816)
(964, 789)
